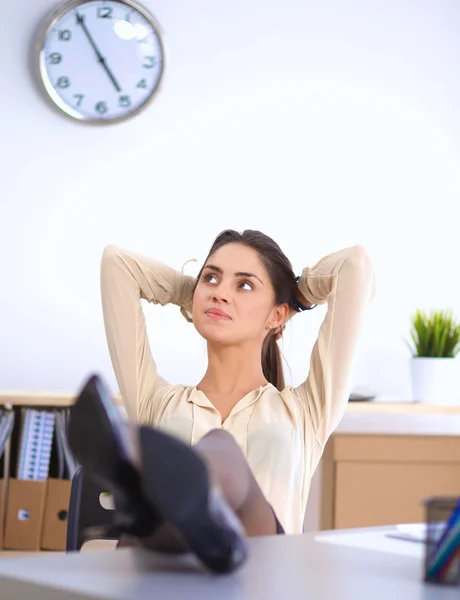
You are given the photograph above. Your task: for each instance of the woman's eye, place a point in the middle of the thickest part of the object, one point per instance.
(209, 277)
(245, 285)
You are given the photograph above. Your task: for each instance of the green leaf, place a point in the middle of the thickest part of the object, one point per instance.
(435, 334)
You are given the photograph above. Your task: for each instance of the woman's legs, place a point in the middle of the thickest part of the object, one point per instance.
(230, 471)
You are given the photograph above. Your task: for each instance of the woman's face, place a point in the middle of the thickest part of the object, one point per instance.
(234, 300)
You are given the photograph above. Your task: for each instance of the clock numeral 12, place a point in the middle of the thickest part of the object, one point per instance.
(104, 12)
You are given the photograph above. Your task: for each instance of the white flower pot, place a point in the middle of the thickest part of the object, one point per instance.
(436, 380)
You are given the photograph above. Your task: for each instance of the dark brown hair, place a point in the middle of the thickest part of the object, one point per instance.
(283, 280)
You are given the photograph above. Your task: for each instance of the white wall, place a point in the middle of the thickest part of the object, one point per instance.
(321, 123)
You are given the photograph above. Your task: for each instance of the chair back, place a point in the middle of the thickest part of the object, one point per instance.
(88, 518)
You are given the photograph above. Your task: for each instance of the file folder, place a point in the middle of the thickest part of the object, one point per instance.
(37, 429)
(27, 491)
(6, 427)
(58, 489)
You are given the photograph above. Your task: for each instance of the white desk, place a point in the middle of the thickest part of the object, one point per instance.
(281, 567)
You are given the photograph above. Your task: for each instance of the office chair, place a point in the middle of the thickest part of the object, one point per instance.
(87, 518)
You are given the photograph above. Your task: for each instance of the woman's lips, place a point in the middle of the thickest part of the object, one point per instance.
(217, 314)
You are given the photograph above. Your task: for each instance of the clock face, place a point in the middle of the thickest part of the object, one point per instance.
(101, 62)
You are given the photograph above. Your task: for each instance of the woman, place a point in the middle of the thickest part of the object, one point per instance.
(243, 444)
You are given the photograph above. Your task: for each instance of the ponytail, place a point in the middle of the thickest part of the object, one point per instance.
(272, 365)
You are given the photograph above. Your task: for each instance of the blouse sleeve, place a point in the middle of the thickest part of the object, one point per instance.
(344, 280)
(126, 278)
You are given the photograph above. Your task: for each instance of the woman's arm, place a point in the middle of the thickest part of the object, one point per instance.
(346, 281)
(125, 279)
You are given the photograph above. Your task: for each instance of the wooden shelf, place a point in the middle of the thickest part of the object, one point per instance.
(63, 399)
(41, 398)
(407, 408)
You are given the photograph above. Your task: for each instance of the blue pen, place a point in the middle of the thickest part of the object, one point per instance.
(447, 546)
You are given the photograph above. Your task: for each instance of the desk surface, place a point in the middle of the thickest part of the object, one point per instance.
(282, 567)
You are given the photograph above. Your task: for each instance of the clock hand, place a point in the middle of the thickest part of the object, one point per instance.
(101, 59)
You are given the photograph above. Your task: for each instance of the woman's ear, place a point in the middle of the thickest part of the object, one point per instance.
(279, 315)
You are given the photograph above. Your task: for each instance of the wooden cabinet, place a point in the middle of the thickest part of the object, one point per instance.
(372, 480)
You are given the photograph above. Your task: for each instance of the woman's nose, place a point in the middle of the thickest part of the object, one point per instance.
(221, 294)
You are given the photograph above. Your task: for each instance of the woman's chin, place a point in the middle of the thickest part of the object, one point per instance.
(217, 332)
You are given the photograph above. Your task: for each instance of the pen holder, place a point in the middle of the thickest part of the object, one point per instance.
(442, 547)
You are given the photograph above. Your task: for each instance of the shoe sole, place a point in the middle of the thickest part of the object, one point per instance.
(176, 482)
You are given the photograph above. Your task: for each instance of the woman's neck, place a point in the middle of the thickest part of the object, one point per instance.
(233, 370)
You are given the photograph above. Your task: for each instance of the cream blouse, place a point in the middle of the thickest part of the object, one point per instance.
(282, 434)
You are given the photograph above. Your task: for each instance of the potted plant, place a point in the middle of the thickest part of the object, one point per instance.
(436, 343)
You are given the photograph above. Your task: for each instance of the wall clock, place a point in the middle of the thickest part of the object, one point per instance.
(100, 62)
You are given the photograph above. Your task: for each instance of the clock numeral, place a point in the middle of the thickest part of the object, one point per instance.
(101, 107)
(55, 58)
(63, 82)
(142, 83)
(124, 101)
(79, 99)
(151, 62)
(104, 12)
(64, 35)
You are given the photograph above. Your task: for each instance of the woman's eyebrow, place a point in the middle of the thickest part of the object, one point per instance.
(213, 268)
(244, 274)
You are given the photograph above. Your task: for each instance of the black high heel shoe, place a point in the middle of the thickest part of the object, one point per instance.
(171, 485)
(176, 482)
(99, 441)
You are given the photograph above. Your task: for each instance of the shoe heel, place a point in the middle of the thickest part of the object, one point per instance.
(175, 480)
(99, 442)
(96, 432)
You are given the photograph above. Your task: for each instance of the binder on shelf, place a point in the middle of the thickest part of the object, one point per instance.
(58, 490)
(2, 504)
(56, 514)
(6, 427)
(37, 498)
(69, 465)
(35, 446)
(24, 514)
(27, 491)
